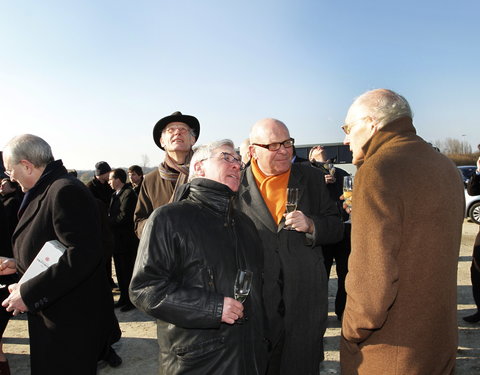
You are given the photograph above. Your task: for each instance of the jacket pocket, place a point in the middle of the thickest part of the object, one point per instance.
(200, 351)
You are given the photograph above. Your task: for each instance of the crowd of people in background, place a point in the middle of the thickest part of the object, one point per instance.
(180, 236)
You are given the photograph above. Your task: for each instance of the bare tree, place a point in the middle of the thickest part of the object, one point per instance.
(145, 160)
(454, 146)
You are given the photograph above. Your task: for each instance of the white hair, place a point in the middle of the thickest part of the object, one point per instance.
(28, 147)
(203, 152)
(383, 105)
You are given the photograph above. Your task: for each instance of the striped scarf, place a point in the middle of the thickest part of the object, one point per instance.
(170, 170)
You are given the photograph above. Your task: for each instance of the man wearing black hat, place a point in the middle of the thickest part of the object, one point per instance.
(175, 134)
(99, 184)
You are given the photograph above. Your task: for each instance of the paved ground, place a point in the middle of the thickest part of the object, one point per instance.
(138, 346)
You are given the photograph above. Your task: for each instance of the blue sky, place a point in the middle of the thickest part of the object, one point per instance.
(93, 77)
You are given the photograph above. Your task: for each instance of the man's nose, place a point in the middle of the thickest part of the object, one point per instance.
(346, 140)
(283, 149)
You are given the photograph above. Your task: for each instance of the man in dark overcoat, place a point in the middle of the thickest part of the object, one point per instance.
(120, 215)
(473, 188)
(339, 251)
(69, 304)
(295, 280)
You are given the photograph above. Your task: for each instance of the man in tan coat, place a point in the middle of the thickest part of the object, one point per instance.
(175, 134)
(408, 206)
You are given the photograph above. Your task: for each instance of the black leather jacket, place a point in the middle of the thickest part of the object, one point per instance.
(187, 261)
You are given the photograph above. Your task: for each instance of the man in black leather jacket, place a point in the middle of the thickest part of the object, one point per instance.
(185, 271)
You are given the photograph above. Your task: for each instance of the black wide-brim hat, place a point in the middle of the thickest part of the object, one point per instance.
(191, 121)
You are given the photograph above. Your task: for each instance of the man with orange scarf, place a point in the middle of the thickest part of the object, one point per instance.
(175, 134)
(295, 281)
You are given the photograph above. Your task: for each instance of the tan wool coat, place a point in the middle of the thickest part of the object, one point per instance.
(408, 207)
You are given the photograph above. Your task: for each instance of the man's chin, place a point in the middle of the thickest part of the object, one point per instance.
(233, 185)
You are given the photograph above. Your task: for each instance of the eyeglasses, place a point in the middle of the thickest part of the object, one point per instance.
(276, 146)
(8, 173)
(347, 128)
(173, 129)
(229, 158)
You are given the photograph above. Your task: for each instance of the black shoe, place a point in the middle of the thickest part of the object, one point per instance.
(120, 303)
(113, 359)
(475, 318)
(127, 307)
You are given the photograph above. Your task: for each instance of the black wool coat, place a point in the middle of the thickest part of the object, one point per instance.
(69, 304)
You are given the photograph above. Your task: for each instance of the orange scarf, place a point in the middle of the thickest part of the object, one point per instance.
(273, 190)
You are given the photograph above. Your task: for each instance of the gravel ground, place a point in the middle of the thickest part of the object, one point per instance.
(138, 346)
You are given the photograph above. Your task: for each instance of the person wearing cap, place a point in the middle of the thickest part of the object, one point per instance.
(175, 134)
(99, 184)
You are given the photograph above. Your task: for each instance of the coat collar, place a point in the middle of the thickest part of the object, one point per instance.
(251, 195)
(38, 193)
(396, 128)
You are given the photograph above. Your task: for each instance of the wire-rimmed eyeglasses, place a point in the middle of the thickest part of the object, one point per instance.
(229, 158)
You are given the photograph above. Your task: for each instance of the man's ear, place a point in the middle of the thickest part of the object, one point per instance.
(251, 149)
(373, 124)
(29, 167)
(199, 169)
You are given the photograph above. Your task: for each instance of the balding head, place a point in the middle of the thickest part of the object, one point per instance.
(265, 128)
(382, 105)
(245, 150)
(266, 132)
(369, 113)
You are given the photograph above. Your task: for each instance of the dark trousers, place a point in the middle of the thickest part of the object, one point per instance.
(475, 271)
(4, 293)
(339, 252)
(275, 357)
(124, 263)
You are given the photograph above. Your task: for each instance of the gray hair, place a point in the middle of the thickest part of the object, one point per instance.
(28, 147)
(203, 152)
(384, 105)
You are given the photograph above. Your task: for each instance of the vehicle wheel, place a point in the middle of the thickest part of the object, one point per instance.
(474, 212)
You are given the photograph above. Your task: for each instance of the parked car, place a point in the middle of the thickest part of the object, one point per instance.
(466, 171)
(472, 207)
(472, 202)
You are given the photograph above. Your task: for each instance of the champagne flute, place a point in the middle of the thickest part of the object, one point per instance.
(291, 202)
(242, 286)
(330, 168)
(347, 192)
